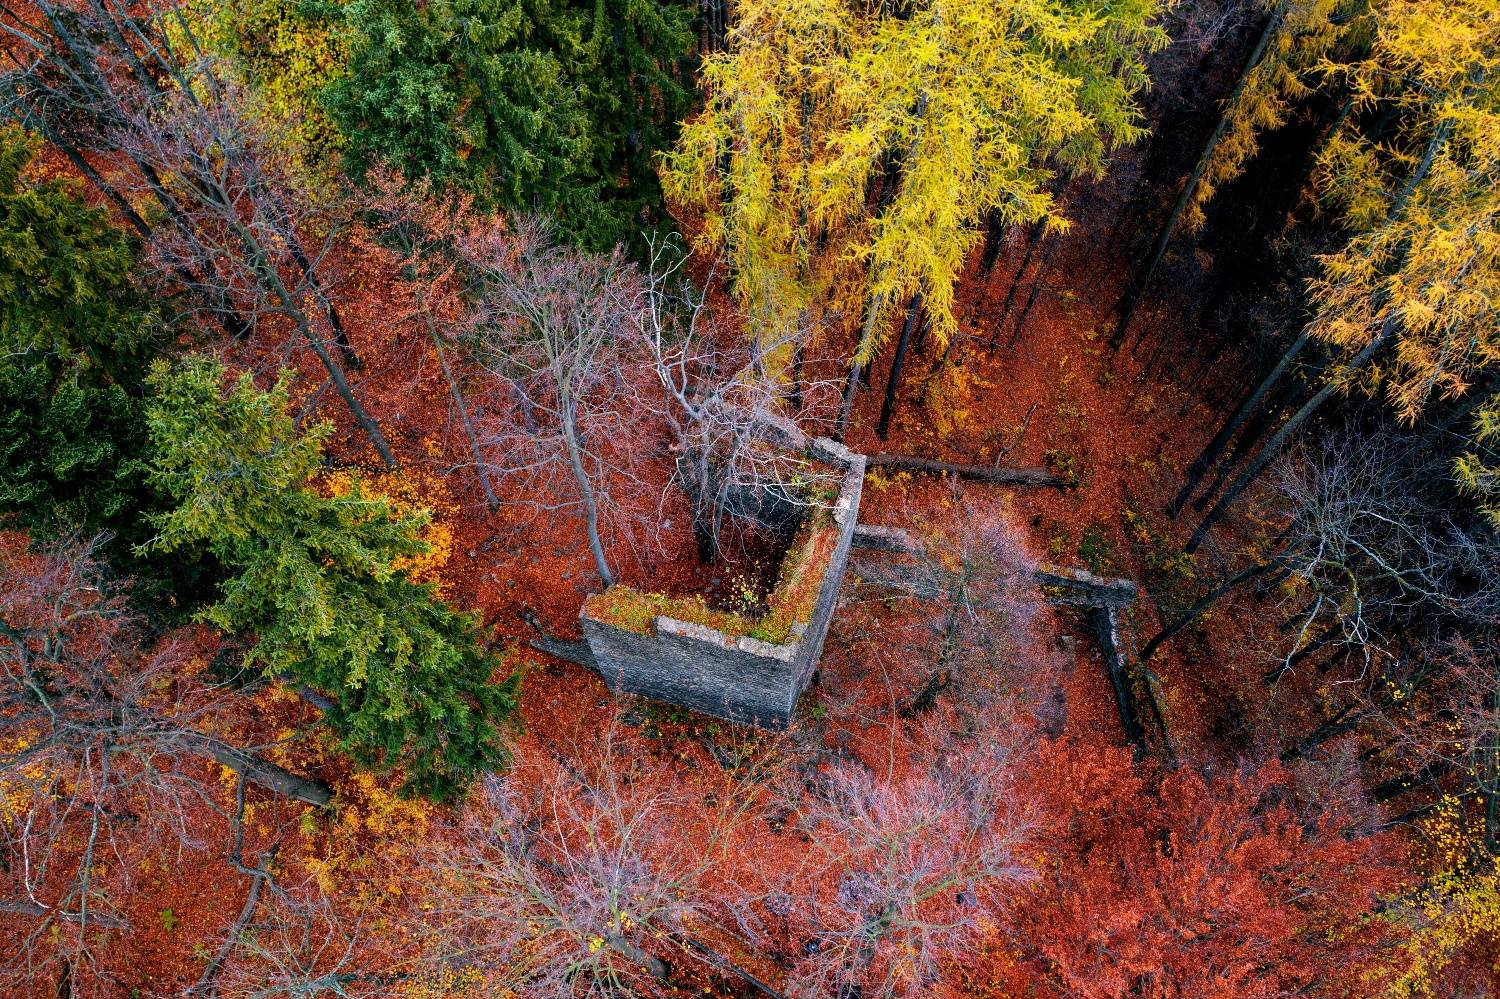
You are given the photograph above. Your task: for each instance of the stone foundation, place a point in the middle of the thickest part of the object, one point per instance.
(726, 671)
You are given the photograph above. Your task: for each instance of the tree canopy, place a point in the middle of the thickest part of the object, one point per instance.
(532, 104)
(948, 109)
(315, 578)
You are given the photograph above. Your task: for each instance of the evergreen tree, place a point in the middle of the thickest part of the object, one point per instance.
(65, 273)
(75, 331)
(315, 577)
(530, 104)
(70, 450)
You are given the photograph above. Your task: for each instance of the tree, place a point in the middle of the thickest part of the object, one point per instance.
(425, 230)
(581, 878)
(553, 326)
(1423, 278)
(1243, 883)
(70, 450)
(1475, 470)
(950, 111)
(536, 106)
(1365, 548)
(288, 58)
(138, 91)
(103, 731)
(1294, 41)
(902, 871)
(753, 161)
(968, 627)
(77, 330)
(314, 577)
(722, 397)
(66, 274)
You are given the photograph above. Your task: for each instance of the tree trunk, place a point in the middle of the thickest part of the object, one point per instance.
(261, 771)
(979, 473)
(26, 907)
(913, 310)
(1142, 279)
(463, 411)
(294, 312)
(1215, 448)
(994, 237)
(1036, 287)
(1203, 604)
(1037, 232)
(590, 498)
(1274, 446)
(846, 407)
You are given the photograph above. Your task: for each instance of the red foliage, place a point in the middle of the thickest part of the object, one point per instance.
(1180, 884)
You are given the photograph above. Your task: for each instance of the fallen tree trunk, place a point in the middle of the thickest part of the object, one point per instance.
(977, 473)
(261, 770)
(23, 907)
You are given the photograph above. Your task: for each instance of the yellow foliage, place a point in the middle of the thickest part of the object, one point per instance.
(1425, 273)
(950, 400)
(1305, 33)
(287, 57)
(964, 106)
(1457, 910)
(368, 811)
(408, 493)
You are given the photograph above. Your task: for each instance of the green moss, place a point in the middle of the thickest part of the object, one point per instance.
(790, 603)
(635, 610)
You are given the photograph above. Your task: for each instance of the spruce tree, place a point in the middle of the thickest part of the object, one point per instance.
(75, 331)
(315, 577)
(541, 105)
(66, 282)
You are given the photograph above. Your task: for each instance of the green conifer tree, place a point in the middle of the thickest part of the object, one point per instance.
(315, 577)
(540, 105)
(75, 332)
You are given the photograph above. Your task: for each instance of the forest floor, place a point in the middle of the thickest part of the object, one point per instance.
(1049, 394)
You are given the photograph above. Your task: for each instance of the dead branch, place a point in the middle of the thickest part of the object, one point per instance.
(1024, 476)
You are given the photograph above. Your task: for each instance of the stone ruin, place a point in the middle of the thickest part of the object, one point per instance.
(742, 669)
(753, 670)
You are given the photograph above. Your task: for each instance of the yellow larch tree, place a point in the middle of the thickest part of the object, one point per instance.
(1298, 57)
(747, 160)
(981, 102)
(1410, 307)
(848, 158)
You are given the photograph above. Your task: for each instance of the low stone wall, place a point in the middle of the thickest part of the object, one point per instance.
(734, 676)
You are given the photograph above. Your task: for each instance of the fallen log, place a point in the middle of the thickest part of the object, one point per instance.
(24, 907)
(1000, 474)
(260, 770)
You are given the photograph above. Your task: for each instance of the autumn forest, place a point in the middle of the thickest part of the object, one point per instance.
(760, 499)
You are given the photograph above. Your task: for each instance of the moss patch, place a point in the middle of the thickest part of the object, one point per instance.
(790, 603)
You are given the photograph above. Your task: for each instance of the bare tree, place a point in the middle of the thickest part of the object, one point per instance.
(722, 392)
(295, 942)
(961, 615)
(1370, 549)
(579, 878)
(552, 327)
(97, 725)
(1364, 548)
(902, 869)
(425, 230)
(136, 91)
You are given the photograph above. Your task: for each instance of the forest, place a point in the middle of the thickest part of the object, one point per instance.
(761, 499)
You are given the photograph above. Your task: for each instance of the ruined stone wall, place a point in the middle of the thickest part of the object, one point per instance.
(736, 677)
